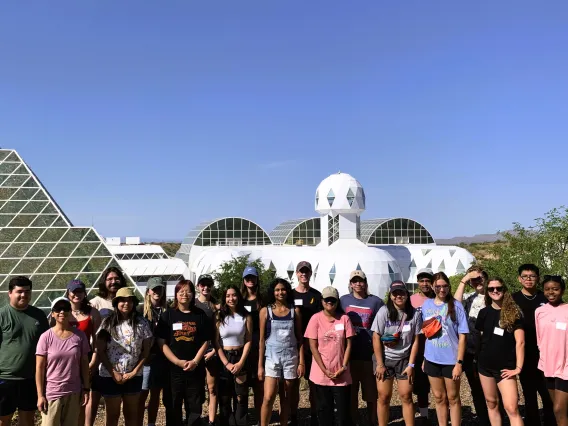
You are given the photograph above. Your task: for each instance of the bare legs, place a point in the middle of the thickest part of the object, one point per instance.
(385, 394)
(509, 393)
(446, 393)
(560, 406)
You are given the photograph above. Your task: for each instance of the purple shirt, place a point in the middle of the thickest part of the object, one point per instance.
(63, 362)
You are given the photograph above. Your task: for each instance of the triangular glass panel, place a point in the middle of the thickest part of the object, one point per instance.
(7, 265)
(390, 269)
(17, 250)
(30, 235)
(13, 207)
(330, 197)
(12, 157)
(460, 269)
(34, 207)
(452, 252)
(358, 268)
(40, 195)
(25, 194)
(332, 274)
(271, 267)
(412, 264)
(3, 154)
(53, 235)
(60, 222)
(50, 209)
(3, 178)
(91, 236)
(317, 198)
(8, 168)
(5, 219)
(15, 181)
(350, 196)
(442, 267)
(22, 220)
(44, 220)
(429, 266)
(31, 183)
(7, 193)
(426, 251)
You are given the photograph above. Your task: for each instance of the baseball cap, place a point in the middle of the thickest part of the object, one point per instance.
(329, 291)
(359, 274)
(154, 282)
(397, 285)
(206, 277)
(58, 300)
(75, 285)
(304, 264)
(250, 270)
(124, 292)
(425, 271)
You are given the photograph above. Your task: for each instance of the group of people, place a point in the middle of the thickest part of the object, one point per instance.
(130, 354)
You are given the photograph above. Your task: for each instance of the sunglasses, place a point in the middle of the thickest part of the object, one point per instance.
(330, 300)
(495, 289)
(477, 280)
(61, 308)
(441, 287)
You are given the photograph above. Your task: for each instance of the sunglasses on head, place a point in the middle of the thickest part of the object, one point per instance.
(498, 289)
(556, 278)
(330, 300)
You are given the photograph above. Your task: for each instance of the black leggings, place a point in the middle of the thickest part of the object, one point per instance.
(233, 396)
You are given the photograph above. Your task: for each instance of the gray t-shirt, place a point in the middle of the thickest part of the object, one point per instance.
(411, 327)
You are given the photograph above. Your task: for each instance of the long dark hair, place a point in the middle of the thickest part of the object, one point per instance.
(244, 292)
(85, 307)
(225, 311)
(393, 310)
(450, 297)
(271, 300)
(179, 286)
(103, 290)
(111, 323)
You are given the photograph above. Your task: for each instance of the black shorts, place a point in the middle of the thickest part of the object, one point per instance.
(17, 395)
(555, 383)
(438, 370)
(395, 369)
(490, 372)
(109, 388)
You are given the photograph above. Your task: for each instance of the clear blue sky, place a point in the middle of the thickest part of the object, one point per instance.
(152, 116)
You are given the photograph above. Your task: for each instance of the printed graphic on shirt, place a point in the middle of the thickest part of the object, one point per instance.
(363, 318)
(185, 331)
(443, 313)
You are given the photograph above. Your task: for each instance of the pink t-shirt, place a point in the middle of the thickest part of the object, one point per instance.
(331, 337)
(552, 340)
(417, 300)
(63, 375)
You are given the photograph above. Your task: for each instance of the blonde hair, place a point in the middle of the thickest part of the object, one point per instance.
(148, 304)
(510, 312)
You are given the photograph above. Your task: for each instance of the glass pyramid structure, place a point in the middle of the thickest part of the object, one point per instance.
(37, 240)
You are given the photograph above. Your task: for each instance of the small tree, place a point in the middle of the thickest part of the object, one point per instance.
(545, 244)
(231, 272)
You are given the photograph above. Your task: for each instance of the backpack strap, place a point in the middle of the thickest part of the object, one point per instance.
(269, 312)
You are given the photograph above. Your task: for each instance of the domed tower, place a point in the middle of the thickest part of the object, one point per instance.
(340, 200)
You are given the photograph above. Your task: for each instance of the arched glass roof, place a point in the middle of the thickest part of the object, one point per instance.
(297, 232)
(228, 231)
(394, 231)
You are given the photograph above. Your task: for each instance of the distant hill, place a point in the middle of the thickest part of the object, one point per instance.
(480, 238)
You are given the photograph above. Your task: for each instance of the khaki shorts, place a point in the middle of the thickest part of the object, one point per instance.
(362, 372)
(63, 411)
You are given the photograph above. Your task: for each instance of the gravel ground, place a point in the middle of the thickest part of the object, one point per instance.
(468, 411)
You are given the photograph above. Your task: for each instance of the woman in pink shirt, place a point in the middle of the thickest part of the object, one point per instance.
(330, 333)
(552, 339)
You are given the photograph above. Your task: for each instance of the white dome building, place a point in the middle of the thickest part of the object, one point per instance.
(335, 243)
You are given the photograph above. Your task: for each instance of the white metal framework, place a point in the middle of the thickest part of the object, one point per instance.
(301, 232)
(37, 240)
(394, 231)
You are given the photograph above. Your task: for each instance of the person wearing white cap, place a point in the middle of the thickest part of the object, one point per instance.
(361, 307)
(123, 344)
(329, 333)
(62, 369)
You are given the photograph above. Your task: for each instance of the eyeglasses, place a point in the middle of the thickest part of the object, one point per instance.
(330, 300)
(529, 277)
(113, 279)
(495, 289)
(184, 293)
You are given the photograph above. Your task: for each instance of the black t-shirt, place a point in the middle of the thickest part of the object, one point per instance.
(528, 305)
(498, 346)
(184, 333)
(309, 304)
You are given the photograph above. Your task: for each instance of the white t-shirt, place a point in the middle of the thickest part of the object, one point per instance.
(104, 306)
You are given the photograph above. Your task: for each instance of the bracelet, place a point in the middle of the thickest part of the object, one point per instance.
(411, 365)
(520, 368)
(227, 363)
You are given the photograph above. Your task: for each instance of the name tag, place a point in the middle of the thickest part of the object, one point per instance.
(177, 326)
(406, 328)
(248, 308)
(339, 327)
(498, 331)
(299, 302)
(561, 326)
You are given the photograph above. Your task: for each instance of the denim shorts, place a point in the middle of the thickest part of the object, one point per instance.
(281, 363)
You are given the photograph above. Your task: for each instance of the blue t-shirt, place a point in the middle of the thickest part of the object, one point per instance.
(443, 349)
(361, 312)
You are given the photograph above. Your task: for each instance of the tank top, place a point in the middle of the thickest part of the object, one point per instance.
(86, 326)
(232, 330)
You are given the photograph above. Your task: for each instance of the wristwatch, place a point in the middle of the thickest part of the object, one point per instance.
(460, 361)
